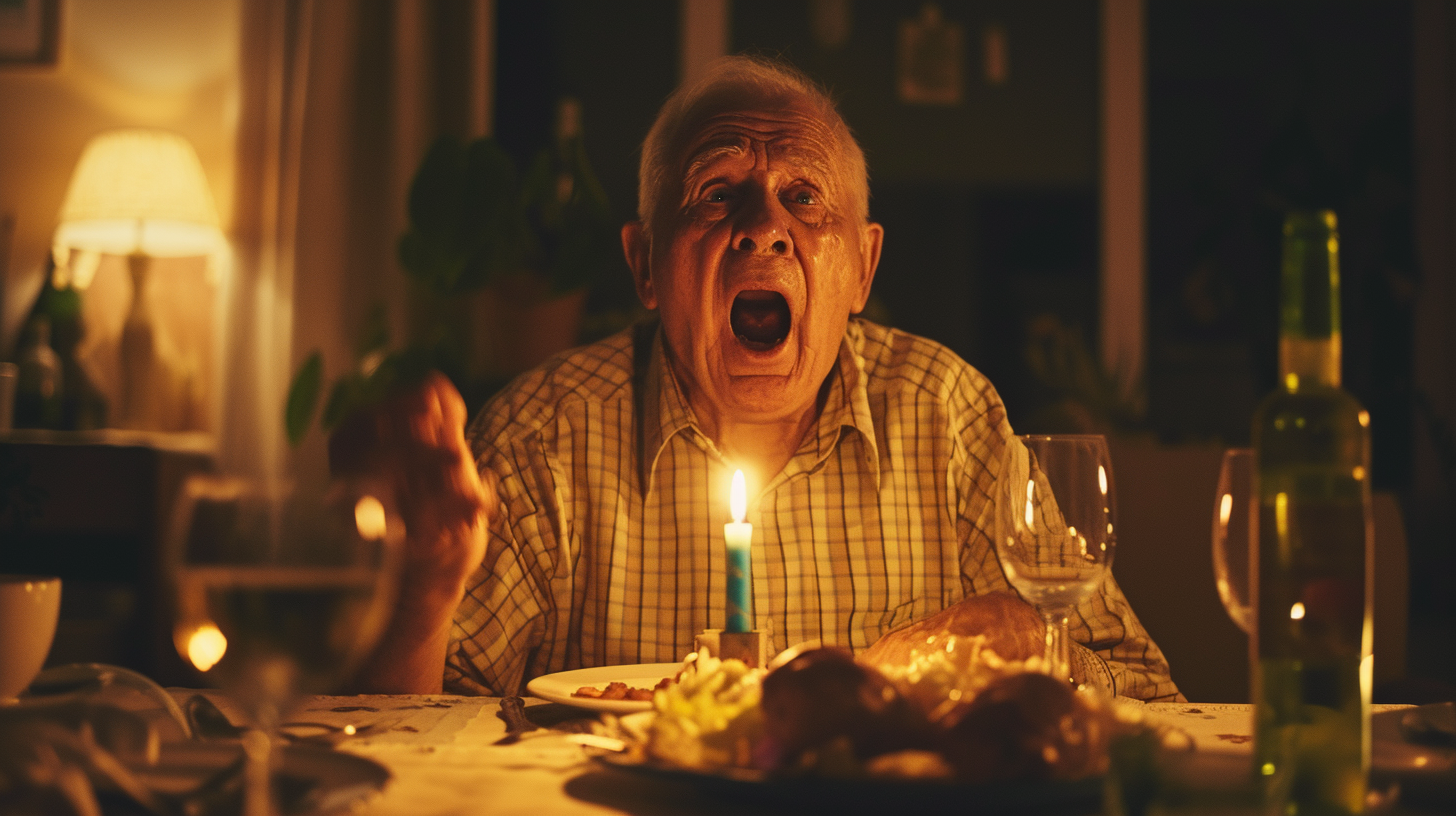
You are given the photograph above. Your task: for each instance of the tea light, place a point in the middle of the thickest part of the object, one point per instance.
(739, 534)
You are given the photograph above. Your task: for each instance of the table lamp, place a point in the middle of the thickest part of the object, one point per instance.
(141, 194)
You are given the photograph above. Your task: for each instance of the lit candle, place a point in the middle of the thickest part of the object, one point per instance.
(738, 533)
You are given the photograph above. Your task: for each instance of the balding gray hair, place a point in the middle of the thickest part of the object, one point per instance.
(736, 83)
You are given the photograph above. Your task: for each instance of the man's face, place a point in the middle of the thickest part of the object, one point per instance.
(756, 263)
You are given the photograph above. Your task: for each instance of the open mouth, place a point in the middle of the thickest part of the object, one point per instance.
(760, 319)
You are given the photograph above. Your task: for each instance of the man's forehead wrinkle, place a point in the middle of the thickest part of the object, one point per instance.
(772, 128)
(790, 137)
(709, 152)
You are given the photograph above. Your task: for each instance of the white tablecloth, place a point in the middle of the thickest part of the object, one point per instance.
(442, 756)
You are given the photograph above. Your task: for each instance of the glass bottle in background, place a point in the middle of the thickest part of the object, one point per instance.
(38, 382)
(1312, 446)
(83, 406)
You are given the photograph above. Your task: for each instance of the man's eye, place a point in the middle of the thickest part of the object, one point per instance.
(717, 195)
(804, 197)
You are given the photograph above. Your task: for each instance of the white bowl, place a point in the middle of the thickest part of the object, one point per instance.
(29, 607)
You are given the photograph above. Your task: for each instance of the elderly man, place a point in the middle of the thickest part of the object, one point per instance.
(583, 525)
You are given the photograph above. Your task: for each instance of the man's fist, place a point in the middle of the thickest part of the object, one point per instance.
(415, 442)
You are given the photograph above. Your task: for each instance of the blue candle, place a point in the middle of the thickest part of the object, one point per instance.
(738, 534)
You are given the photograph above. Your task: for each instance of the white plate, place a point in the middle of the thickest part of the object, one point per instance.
(559, 687)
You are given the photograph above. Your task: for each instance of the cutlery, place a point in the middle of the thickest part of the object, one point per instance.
(513, 712)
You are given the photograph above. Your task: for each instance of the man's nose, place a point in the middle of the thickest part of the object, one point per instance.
(761, 226)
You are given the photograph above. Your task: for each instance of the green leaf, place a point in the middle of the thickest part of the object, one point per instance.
(344, 398)
(303, 396)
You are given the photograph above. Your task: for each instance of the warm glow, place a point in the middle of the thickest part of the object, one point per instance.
(1030, 493)
(1291, 382)
(1102, 479)
(205, 646)
(1296, 612)
(1225, 508)
(738, 497)
(1358, 473)
(135, 191)
(369, 518)
(1364, 419)
(1281, 514)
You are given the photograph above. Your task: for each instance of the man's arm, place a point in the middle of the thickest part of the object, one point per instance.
(415, 443)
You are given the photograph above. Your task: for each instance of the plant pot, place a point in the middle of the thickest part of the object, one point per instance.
(516, 326)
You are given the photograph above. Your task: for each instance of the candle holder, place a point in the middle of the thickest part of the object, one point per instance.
(751, 647)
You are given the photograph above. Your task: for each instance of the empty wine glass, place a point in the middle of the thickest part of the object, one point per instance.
(279, 593)
(1057, 536)
(1235, 532)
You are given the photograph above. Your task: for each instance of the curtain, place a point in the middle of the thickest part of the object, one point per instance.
(340, 102)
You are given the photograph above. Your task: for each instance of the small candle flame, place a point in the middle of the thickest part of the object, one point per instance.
(738, 497)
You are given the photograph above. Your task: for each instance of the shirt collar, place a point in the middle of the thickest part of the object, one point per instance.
(664, 407)
(665, 411)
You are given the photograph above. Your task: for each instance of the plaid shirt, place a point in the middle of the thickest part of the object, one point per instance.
(609, 548)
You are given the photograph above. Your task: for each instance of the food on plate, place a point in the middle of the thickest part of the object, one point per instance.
(956, 711)
(710, 717)
(825, 711)
(1025, 726)
(617, 690)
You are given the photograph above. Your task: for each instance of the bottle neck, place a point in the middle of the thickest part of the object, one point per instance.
(1309, 362)
(1309, 331)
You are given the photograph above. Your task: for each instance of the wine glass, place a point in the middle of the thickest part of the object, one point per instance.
(1056, 535)
(279, 593)
(1235, 532)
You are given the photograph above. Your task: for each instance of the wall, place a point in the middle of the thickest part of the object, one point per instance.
(143, 63)
(990, 203)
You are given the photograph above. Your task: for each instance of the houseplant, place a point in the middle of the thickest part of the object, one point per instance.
(499, 261)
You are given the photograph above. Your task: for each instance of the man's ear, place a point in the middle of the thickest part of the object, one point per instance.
(871, 239)
(638, 249)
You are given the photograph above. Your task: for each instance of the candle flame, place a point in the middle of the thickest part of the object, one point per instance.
(738, 497)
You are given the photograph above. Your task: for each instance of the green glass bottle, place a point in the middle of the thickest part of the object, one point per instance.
(1313, 582)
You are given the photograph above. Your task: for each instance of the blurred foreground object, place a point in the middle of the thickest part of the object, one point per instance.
(1313, 678)
(29, 608)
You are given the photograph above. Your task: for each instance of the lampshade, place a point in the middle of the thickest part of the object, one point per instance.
(138, 192)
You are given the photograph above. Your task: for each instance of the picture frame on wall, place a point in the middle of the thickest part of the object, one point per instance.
(29, 32)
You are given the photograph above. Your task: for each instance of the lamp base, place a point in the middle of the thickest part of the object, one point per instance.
(750, 647)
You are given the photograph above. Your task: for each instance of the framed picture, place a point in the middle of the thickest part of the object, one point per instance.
(30, 32)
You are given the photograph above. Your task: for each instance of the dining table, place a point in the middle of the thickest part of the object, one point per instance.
(450, 754)
(428, 754)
